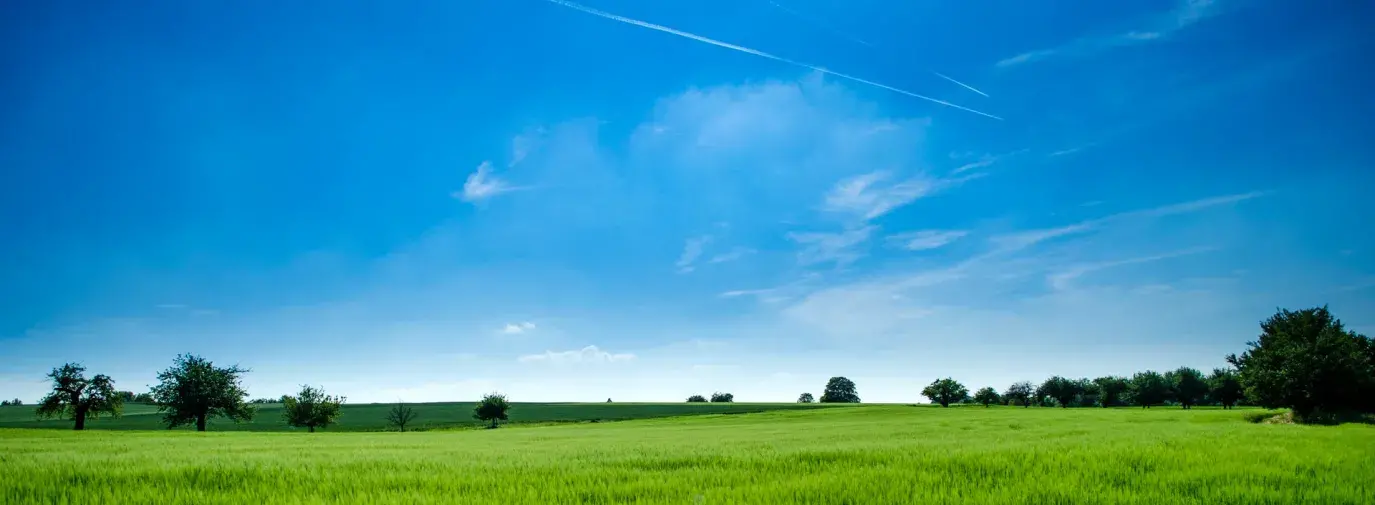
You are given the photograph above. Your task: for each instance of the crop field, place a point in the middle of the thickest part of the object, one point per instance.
(372, 416)
(884, 454)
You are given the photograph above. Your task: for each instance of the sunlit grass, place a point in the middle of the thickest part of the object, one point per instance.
(869, 454)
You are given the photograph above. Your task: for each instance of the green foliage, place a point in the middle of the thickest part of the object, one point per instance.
(11, 403)
(1111, 390)
(1307, 361)
(697, 399)
(818, 456)
(945, 392)
(1224, 387)
(986, 396)
(311, 408)
(194, 390)
(1187, 386)
(1019, 393)
(839, 390)
(77, 398)
(1148, 388)
(1060, 389)
(492, 408)
(399, 416)
(719, 397)
(805, 398)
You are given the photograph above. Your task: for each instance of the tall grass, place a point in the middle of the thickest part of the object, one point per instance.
(873, 454)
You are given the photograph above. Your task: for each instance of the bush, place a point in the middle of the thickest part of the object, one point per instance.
(719, 397)
(697, 399)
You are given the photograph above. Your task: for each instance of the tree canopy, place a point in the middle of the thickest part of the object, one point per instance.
(75, 397)
(805, 398)
(311, 408)
(1148, 388)
(194, 390)
(719, 397)
(1308, 361)
(1187, 386)
(1110, 390)
(1060, 389)
(1019, 393)
(840, 390)
(697, 399)
(1224, 387)
(945, 392)
(986, 396)
(493, 408)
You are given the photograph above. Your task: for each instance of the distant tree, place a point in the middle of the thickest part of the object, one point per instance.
(1060, 389)
(945, 392)
(194, 390)
(4, 403)
(1187, 386)
(719, 397)
(312, 408)
(986, 396)
(125, 396)
(1110, 390)
(805, 398)
(1148, 388)
(608, 400)
(143, 398)
(75, 397)
(399, 416)
(11, 403)
(1308, 361)
(839, 390)
(492, 408)
(697, 399)
(1019, 393)
(1224, 387)
(1088, 393)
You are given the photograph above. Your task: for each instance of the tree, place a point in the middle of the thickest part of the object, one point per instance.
(945, 391)
(1148, 388)
(11, 403)
(1187, 386)
(1224, 387)
(719, 397)
(400, 415)
(1110, 390)
(697, 399)
(1060, 389)
(1307, 361)
(75, 397)
(986, 396)
(125, 396)
(144, 398)
(839, 390)
(194, 390)
(492, 408)
(805, 398)
(311, 408)
(1019, 392)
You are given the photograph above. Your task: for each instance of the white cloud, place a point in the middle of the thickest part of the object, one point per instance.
(692, 249)
(732, 255)
(1062, 280)
(926, 239)
(985, 160)
(518, 328)
(866, 196)
(589, 354)
(481, 185)
(1021, 240)
(1188, 13)
(830, 247)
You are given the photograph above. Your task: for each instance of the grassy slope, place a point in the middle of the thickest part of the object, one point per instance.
(872, 454)
(372, 417)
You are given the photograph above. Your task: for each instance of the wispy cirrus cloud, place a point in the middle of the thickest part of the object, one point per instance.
(1021, 240)
(734, 254)
(1062, 280)
(518, 328)
(589, 354)
(692, 249)
(1186, 14)
(985, 161)
(482, 184)
(871, 195)
(925, 239)
(838, 248)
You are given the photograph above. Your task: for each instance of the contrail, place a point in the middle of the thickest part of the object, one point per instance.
(966, 86)
(756, 52)
(820, 24)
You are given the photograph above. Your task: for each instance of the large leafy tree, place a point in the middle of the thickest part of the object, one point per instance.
(1224, 387)
(945, 392)
(1187, 386)
(1019, 393)
(492, 408)
(697, 399)
(75, 397)
(194, 390)
(986, 396)
(1148, 388)
(1060, 389)
(839, 390)
(1110, 390)
(312, 408)
(805, 398)
(1308, 361)
(719, 397)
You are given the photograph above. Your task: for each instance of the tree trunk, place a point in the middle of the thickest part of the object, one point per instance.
(494, 423)
(200, 422)
(311, 428)
(80, 417)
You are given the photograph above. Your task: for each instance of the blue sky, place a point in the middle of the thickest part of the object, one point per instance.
(429, 201)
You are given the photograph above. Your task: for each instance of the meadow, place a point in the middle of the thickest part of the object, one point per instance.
(372, 416)
(843, 455)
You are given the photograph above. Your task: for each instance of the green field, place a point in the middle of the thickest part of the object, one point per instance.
(851, 455)
(372, 416)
